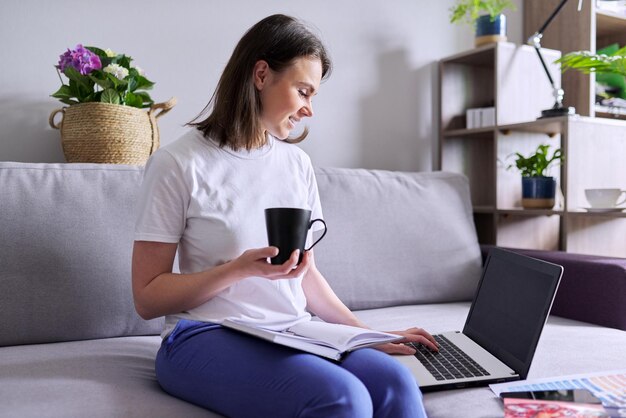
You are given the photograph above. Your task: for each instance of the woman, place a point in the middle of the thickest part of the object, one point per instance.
(204, 195)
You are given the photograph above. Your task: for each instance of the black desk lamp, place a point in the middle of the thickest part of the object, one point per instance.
(535, 40)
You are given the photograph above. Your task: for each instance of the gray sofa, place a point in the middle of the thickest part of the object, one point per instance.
(401, 251)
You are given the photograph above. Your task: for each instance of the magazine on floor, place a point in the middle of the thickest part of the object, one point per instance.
(317, 337)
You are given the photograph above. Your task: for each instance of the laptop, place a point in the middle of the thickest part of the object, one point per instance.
(498, 342)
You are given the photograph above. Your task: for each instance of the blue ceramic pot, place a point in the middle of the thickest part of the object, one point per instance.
(538, 192)
(488, 31)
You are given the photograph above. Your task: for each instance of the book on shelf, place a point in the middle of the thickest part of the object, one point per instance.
(483, 117)
(321, 338)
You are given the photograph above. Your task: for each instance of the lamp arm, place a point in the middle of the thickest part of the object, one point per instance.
(552, 16)
(535, 42)
(557, 91)
(543, 63)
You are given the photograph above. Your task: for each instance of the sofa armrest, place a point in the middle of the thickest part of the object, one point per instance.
(593, 288)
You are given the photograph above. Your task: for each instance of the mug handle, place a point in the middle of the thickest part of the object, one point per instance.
(320, 238)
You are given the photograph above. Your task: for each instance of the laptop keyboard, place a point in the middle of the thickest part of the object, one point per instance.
(449, 363)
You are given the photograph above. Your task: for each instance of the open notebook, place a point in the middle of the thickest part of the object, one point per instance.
(317, 337)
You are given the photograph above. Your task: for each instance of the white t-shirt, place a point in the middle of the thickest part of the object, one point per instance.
(211, 201)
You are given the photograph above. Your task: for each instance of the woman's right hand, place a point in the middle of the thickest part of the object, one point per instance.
(254, 262)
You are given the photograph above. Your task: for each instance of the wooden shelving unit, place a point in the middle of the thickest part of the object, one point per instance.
(590, 29)
(510, 78)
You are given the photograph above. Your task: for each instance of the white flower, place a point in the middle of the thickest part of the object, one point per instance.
(117, 70)
(139, 69)
(110, 53)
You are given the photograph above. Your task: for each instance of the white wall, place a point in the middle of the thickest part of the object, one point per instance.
(378, 109)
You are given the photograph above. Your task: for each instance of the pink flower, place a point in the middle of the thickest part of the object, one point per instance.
(81, 59)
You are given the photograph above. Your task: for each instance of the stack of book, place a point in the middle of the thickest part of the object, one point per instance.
(480, 117)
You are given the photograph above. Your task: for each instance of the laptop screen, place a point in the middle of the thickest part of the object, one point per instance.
(511, 307)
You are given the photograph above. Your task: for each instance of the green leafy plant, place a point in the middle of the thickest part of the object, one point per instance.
(96, 75)
(536, 164)
(609, 65)
(467, 11)
(588, 62)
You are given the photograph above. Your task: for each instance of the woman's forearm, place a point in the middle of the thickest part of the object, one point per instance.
(323, 302)
(157, 291)
(171, 293)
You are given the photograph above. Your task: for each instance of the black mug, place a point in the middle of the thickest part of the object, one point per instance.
(287, 229)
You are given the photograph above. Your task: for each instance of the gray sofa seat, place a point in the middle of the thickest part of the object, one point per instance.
(401, 251)
(110, 377)
(114, 377)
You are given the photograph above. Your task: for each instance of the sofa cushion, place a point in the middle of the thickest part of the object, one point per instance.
(66, 234)
(111, 377)
(397, 238)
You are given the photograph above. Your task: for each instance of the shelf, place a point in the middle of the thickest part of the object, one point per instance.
(478, 57)
(609, 24)
(476, 132)
(529, 212)
(545, 212)
(548, 126)
(598, 214)
(516, 211)
(610, 112)
(484, 209)
(511, 78)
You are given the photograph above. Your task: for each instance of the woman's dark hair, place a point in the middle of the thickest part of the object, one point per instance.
(235, 104)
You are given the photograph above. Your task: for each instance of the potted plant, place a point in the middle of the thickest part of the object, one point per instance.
(538, 189)
(486, 15)
(609, 65)
(105, 121)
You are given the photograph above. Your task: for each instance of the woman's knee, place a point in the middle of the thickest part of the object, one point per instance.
(342, 396)
(392, 386)
(400, 395)
(401, 380)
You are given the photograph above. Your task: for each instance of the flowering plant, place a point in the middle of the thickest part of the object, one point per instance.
(97, 75)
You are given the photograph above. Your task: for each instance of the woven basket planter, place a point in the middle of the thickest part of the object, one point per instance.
(108, 133)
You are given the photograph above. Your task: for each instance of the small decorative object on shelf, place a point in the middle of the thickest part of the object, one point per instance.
(486, 16)
(538, 190)
(104, 121)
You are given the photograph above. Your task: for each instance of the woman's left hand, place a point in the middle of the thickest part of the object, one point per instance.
(414, 335)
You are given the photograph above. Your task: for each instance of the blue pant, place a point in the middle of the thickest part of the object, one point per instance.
(242, 376)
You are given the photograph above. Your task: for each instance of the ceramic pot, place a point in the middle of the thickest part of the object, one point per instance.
(538, 192)
(488, 31)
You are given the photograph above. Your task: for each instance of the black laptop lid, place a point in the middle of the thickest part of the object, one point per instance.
(511, 306)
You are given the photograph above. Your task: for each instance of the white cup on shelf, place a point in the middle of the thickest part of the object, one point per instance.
(604, 198)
